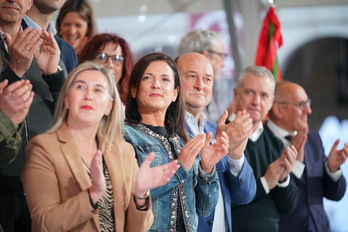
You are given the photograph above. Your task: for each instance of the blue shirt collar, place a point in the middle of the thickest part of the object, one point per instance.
(192, 123)
(33, 24)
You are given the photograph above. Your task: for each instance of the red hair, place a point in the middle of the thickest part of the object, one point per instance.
(97, 43)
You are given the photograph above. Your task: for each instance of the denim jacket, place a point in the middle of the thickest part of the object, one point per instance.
(200, 190)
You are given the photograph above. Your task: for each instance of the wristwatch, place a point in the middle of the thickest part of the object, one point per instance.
(53, 74)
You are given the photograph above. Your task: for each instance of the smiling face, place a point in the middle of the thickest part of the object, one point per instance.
(255, 94)
(74, 29)
(13, 11)
(88, 99)
(112, 49)
(196, 75)
(156, 89)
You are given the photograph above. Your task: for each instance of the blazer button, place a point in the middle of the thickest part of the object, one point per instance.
(209, 223)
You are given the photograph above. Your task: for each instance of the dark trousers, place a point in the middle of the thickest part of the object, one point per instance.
(14, 213)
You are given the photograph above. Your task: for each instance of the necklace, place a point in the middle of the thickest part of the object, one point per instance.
(88, 162)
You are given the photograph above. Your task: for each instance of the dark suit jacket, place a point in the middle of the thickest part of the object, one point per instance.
(39, 118)
(314, 185)
(67, 53)
(240, 189)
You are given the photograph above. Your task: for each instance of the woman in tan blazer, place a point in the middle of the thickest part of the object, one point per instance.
(82, 175)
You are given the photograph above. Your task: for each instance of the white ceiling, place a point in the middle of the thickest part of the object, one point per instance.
(107, 8)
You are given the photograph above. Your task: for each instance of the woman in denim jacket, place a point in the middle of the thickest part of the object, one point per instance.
(155, 123)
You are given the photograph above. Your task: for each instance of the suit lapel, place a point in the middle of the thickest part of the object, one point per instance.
(71, 154)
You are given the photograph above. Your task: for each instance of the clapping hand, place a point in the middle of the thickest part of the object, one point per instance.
(149, 178)
(48, 56)
(191, 149)
(15, 99)
(238, 132)
(212, 153)
(278, 170)
(288, 158)
(98, 180)
(299, 141)
(337, 157)
(273, 172)
(21, 50)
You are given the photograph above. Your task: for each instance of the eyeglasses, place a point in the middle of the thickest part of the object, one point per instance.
(104, 57)
(301, 105)
(222, 55)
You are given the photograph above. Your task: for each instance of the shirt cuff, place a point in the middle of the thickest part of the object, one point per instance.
(204, 174)
(335, 176)
(285, 183)
(235, 165)
(298, 169)
(264, 184)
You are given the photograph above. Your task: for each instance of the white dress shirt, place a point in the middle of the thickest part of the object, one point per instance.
(299, 167)
(235, 166)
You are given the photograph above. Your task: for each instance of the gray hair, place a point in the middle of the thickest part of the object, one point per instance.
(259, 71)
(198, 41)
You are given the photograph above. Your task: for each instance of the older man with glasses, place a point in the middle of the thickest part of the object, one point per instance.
(316, 176)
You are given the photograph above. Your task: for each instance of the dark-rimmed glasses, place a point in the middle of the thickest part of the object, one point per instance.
(104, 57)
(301, 105)
(222, 55)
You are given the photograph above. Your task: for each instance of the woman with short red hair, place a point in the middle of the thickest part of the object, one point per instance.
(111, 52)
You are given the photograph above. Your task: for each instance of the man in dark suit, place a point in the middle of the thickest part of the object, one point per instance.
(237, 183)
(33, 55)
(40, 16)
(316, 175)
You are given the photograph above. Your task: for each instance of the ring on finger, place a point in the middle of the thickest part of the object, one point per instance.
(27, 48)
(192, 149)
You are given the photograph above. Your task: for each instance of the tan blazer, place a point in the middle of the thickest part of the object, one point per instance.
(56, 182)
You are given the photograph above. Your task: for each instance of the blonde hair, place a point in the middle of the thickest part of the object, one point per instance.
(110, 130)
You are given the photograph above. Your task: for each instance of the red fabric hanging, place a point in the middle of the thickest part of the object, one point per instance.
(270, 39)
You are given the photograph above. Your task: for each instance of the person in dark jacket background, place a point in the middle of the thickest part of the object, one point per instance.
(33, 55)
(315, 175)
